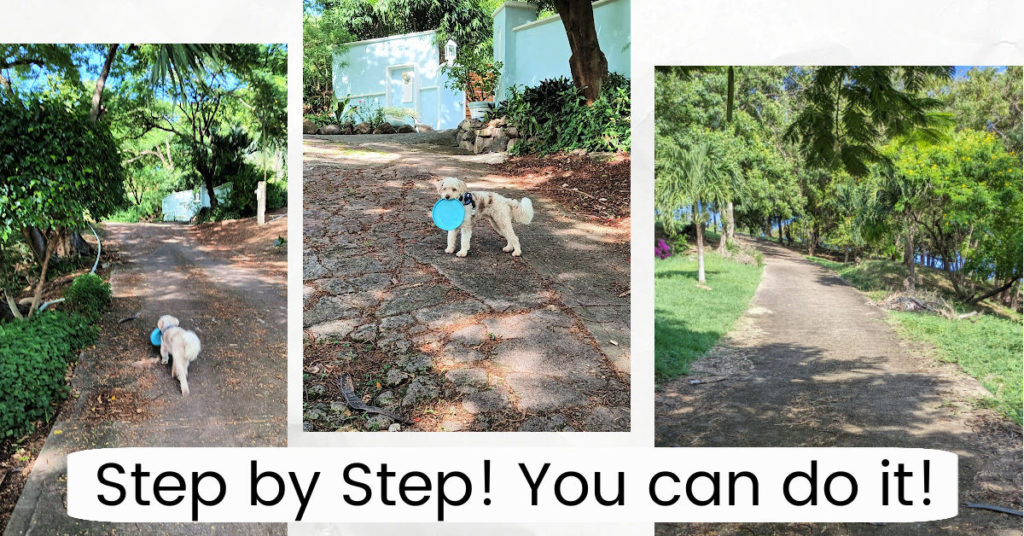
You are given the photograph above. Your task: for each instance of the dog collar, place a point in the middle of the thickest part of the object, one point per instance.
(467, 199)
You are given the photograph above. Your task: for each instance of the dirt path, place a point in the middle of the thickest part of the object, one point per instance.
(813, 363)
(486, 342)
(237, 384)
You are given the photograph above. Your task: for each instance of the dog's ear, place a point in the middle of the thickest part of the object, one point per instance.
(461, 184)
(440, 185)
(166, 321)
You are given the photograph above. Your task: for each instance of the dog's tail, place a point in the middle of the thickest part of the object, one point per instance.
(192, 346)
(523, 211)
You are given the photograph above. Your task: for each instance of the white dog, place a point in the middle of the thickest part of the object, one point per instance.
(180, 343)
(500, 211)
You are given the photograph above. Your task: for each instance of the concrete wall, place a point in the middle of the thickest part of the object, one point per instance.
(401, 71)
(533, 50)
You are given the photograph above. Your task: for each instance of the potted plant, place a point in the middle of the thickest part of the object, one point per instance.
(475, 73)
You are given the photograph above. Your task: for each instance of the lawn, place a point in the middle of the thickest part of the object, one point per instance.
(688, 319)
(989, 347)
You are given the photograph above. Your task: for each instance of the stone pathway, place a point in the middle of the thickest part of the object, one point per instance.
(813, 363)
(119, 400)
(486, 342)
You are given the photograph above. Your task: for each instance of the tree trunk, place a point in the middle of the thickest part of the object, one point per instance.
(727, 224)
(700, 253)
(812, 239)
(1015, 296)
(36, 241)
(994, 291)
(910, 283)
(730, 226)
(42, 276)
(97, 95)
(588, 64)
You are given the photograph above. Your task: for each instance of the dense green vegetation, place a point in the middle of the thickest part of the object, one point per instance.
(988, 348)
(91, 132)
(554, 115)
(912, 173)
(690, 319)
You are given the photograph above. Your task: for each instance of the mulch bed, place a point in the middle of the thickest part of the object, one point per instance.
(595, 185)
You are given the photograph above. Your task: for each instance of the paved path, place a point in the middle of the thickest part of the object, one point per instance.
(486, 342)
(813, 363)
(237, 384)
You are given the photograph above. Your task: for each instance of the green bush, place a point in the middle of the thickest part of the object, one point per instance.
(277, 194)
(555, 115)
(88, 296)
(33, 364)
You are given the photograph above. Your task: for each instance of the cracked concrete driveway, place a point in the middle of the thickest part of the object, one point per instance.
(483, 343)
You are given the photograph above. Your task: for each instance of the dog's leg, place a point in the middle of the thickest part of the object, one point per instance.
(163, 354)
(451, 241)
(513, 240)
(182, 367)
(467, 233)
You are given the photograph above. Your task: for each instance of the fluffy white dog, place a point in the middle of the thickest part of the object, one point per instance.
(180, 343)
(499, 211)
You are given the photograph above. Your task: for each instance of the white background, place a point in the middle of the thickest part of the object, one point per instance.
(695, 32)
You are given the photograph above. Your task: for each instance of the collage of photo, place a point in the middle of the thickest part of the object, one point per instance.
(838, 253)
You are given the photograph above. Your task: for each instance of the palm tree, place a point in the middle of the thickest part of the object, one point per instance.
(697, 177)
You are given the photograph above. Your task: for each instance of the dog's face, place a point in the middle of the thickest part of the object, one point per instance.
(166, 321)
(451, 188)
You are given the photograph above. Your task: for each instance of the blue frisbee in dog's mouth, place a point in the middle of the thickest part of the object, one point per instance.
(155, 337)
(448, 214)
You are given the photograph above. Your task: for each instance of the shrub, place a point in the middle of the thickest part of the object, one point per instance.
(33, 365)
(555, 115)
(277, 194)
(88, 296)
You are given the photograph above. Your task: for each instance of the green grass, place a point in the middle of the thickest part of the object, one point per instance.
(689, 320)
(989, 347)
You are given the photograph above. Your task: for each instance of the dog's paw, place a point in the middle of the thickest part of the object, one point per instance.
(462, 253)
(517, 253)
(449, 250)
(506, 249)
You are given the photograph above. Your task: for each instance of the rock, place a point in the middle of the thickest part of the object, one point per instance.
(410, 299)
(497, 122)
(394, 377)
(378, 422)
(416, 363)
(406, 129)
(467, 146)
(485, 132)
(337, 329)
(539, 393)
(365, 333)
(396, 322)
(485, 401)
(471, 377)
(460, 354)
(316, 391)
(362, 128)
(308, 127)
(386, 399)
(420, 390)
(472, 335)
(314, 413)
(604, 419)
(512, 132)
(328, 308)
(395, 427)
(450, 425)
(348, 128)
(482, 145)
(423, 128)
(338, 407)
(470, 124)
(386, 128)
(546, 423)
(345, 355)
(511, 144)
(330, 130)
(499, 143)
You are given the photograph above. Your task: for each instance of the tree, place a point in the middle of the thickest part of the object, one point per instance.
(697, 178)
(848, 110)
(60, 168)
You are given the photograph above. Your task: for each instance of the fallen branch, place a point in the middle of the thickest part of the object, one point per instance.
(1000, 509)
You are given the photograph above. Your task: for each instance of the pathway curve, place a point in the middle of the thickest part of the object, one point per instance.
(237, 384)
(486, 342)
(813, 363)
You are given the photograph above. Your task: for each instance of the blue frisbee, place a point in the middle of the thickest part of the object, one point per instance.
(155, 337)
(448, 214)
